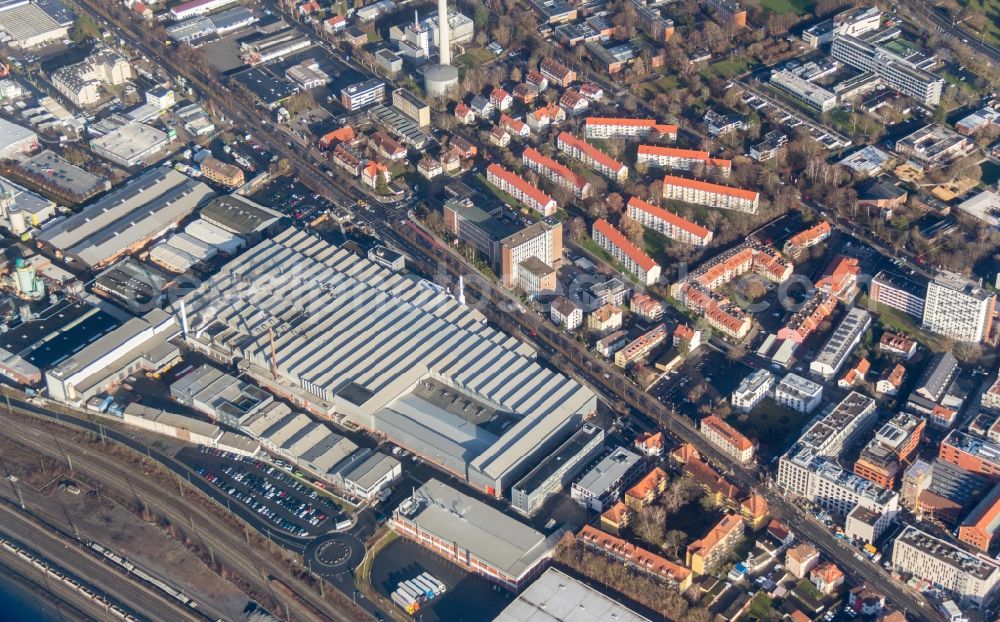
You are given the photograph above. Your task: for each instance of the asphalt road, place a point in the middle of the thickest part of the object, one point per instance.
(931, 12)
(71, 558)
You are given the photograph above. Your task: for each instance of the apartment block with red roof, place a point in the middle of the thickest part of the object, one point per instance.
(808, 318)
(520, 189)
(667, 223)
(705, 554)
(625, 252)
(592, 157)
(556, 73)
(609, 127)
(806, 239)
(979, 529)
(681, 159)
(710, 195)
(559, 174)
(646, 490)
(639, 348)
(635, 558)
(724, 436)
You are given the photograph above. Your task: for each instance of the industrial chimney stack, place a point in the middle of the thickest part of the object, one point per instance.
(444, 37)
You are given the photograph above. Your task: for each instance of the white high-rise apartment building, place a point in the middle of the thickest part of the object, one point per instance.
(958, 308)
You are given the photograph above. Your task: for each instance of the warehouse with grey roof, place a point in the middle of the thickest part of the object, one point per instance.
(389, 352)
(127, 218)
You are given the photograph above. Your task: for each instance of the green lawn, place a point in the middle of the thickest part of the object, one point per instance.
(474, 57)
(900, 322)
(500, 194)
(762, 608)
(652, 88)
(799, 7)
(772, 424)
(726, 69)
(605, 256)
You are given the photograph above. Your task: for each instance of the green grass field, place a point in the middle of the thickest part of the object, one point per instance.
(652, 88)
(726, 69)
(798, 7)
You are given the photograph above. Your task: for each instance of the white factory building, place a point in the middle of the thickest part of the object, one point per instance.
(389, 352)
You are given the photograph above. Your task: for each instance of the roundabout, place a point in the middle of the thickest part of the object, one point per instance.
(334, 554)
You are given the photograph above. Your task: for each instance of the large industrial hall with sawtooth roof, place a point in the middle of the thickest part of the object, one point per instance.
(345, 338)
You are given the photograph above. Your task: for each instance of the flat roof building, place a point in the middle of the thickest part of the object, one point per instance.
(958, 308)
(946, 565)
(838, 347)
(69, 183)
(127, 218)
(140, 343)
(558, 597)
(603, 484)
(473, 535)
(132, 144)
(895, 71)
(557, 469)
(899, 292)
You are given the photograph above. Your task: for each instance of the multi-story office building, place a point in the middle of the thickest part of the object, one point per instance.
(681, 159)
(894, 445)
(724, 436)
(971, 453)
(557, 469)
(507, 247)
(520, 189)
(804, 90)
(902, 293)
(958, 308)
(559, 174)
(705, 554)
(606, 127)
(603, 484)
(752, 390)
(592, 157)
(838, 347)
(822, 481)
(634, 259)
(798, 393)
(667, 223)
(895, 71)
(941, 563)
(853, 22)
(357, 96)
(710, 195)
(828, 435)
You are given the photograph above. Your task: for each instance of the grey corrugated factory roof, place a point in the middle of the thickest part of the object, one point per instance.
(558, 597)
(366, 327)
(505, 543)
(141, 208)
